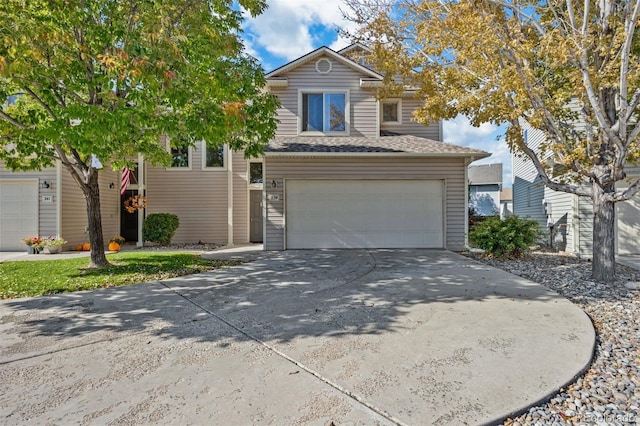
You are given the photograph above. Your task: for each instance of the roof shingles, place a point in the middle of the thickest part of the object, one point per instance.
(396, 144)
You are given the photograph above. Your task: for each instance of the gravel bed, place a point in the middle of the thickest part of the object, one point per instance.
(609, 392)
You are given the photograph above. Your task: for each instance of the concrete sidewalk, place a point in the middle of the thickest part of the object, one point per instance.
(296, 337)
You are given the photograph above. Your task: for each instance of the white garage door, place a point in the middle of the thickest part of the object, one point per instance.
(628, 218)
(18, 213)
(364, 214)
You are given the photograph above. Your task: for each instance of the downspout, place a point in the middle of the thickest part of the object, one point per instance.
(230, 198)
(141, 191)
(265, 211)
(466, 200)
(377, 118)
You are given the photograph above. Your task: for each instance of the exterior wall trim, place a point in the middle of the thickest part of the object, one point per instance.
(59, 198)
(319, 52)
(230, 200)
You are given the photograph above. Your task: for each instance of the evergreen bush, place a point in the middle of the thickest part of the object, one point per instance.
(160, 227)
(511, 237)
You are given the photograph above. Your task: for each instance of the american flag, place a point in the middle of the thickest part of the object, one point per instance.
(126, 179)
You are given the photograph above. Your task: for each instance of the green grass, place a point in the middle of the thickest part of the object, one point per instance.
(34, 278)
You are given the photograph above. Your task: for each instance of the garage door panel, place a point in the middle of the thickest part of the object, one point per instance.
(364, 214)
(18, 213)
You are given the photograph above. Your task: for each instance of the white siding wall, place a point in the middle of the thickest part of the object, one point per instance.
(451, 170)
(585, 226)
(47, 211)
(561, 205)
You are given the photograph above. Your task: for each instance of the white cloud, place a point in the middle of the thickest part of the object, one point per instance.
(460, 132)
(285, 29)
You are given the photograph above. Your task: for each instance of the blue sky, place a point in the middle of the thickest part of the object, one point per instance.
(290, 28)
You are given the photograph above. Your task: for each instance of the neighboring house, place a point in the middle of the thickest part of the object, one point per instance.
(485, 184)
(567, 217)
(506, 202)
(345, 170)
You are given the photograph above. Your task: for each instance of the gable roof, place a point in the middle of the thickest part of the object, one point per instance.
(324, 50)
(354, 46)
(485, 174)
(395, 145)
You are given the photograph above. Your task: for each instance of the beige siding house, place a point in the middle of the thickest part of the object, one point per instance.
(345, 170)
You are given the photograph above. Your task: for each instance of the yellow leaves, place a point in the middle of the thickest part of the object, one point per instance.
(234, 110)
(107, 60)
(181, 38)
(3, 64)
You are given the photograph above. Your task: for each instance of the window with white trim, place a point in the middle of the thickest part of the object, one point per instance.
(325, 112)
(392, 111)
(255, 173)
(213, 156)
(180, 150)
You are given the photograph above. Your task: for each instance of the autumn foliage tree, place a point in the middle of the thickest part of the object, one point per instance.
(105, 79)
(571, 69)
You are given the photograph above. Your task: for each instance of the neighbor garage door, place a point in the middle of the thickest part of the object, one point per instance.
(18, 212)
(364, 214)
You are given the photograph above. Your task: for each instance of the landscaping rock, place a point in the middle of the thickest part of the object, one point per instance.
(632, 285)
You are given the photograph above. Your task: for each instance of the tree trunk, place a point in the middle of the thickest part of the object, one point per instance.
(604, 262)
(94, 216)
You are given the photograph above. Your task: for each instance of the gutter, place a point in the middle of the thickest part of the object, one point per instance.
(471, 157)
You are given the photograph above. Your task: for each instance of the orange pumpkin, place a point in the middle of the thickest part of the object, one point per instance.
(86, 247)
(114, 247)
(78, 247)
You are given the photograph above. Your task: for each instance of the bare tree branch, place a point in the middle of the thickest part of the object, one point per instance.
(12, 120)
(41, 102)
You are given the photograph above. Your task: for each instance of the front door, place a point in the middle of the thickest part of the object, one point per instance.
(128, 221)
(255, 215)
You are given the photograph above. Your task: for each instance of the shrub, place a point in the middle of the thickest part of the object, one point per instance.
(160, 227)
(511, 237)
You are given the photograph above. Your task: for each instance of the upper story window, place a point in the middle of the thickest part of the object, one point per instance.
(325, 112)
(392, 111)
(214, 156)
(180, 150)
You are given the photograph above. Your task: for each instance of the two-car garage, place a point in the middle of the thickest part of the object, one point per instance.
(395, 191)
(370, 213)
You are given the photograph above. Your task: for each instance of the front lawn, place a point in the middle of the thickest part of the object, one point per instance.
(21, 279)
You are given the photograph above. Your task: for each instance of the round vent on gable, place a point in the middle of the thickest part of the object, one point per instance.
(323, 66)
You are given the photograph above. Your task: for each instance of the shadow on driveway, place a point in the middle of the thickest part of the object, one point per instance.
(400, 336)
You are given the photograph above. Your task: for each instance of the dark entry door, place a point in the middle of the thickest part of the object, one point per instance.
(255, 215)
(128, 221)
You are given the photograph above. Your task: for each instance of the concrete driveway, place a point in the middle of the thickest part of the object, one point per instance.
(296, 337)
